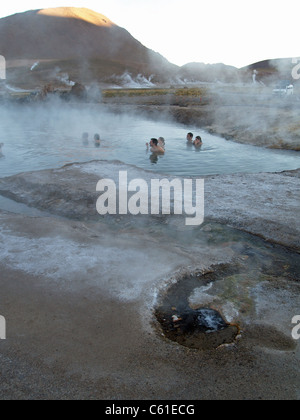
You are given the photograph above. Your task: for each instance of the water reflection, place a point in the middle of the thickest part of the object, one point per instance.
(97, 141)
(85, 139)
(154, 157)
(1, 154)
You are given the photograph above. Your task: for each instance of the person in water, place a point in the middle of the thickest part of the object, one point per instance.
(97, 140)
(161, 142)
(1, 145)
(85, 139)
(198, 142)
(189, 138)
(155, 147)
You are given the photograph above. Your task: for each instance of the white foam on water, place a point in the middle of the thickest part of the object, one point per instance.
(210, 320)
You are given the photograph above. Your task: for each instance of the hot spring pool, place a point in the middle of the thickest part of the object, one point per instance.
(46, 137)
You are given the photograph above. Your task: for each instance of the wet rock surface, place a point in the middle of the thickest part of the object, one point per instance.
(206, 310)
(203, 328)
(263, 204)
(83, 296)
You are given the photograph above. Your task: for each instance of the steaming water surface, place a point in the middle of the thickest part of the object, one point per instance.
(46, 137)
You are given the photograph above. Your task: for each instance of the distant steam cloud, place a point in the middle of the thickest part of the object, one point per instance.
(63, 77)
(35, 65)
(14, 89)
(126, 80)
(284, 68)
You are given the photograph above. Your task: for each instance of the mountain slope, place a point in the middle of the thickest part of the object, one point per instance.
(74, 33)
(273, 70)
(65, 33)
(208, 72)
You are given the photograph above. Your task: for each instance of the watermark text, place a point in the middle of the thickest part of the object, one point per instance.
(296, 69)
(160, 196)
(296, 329)
(2, 68)
(2, 328)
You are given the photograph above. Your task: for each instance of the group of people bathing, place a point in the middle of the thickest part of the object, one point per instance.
(197, 142)
(85, 139)
(158, 145)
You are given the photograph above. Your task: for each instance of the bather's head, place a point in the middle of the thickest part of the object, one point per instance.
(189, 136)
(161, 141)
(153, 142)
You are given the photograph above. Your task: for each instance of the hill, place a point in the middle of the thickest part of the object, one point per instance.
(66, 45)
(269, 71)
(76, 36)
(208, 72)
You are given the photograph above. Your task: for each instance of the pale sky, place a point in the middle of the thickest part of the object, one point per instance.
(235, 32)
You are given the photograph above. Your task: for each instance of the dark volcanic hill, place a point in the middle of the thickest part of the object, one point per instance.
(51, 45)
(66, 33)
(273, 70)
(208, 72)
(76, 34)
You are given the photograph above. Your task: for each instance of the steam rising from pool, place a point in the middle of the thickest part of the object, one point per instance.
(49, 136)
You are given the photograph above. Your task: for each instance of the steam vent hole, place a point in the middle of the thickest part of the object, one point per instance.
(202, 328)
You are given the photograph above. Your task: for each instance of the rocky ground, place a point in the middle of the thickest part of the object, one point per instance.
(80, 292)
